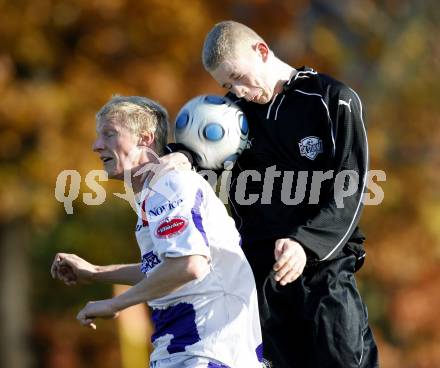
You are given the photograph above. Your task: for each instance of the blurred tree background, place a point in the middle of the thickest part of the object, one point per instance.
(60, 60)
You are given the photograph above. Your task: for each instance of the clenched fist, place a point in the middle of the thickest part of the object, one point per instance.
(71, 269)
(98, 309)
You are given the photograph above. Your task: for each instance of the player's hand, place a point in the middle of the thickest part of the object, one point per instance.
(290, 260)
(71, 269)
(99, 309)
(175, 161)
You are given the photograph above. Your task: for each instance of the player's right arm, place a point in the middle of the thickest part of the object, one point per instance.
(72, 269)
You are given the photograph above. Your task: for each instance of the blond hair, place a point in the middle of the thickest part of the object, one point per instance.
(224, 40)
(139, 115)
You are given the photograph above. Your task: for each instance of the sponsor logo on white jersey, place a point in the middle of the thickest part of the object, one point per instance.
(157, 211)
(171, 226)
(149, 261)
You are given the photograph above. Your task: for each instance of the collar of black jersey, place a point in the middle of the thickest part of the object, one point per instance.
(308, 82)
(301, 79)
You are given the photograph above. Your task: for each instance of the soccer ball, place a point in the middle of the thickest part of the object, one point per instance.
(214, 128)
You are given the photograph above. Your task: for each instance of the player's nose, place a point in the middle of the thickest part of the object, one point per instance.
(98, 145)
(239, 91)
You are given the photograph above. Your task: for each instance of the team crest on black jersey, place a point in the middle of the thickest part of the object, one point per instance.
(310, 147)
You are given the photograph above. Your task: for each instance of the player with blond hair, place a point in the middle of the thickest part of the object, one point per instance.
(193, 273)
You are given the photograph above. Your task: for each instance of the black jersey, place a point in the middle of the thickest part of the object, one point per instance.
(314, 128)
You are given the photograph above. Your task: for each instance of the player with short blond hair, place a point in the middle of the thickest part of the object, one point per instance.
(193, 273)
(225, 41)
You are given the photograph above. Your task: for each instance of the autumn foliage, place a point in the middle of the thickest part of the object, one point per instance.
(60, 60)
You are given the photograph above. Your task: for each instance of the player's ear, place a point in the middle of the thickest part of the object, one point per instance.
(146, 139)
(262, 50)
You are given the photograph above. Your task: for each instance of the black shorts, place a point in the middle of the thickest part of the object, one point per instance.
(318, 321)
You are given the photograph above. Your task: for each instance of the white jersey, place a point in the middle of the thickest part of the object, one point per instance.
(216, 316)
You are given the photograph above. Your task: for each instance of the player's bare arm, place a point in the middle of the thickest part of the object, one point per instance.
(72, 269)
(125, 274)
(169, 276)
(290, 260)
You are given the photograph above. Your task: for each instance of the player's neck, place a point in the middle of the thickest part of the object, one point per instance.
(284, 73)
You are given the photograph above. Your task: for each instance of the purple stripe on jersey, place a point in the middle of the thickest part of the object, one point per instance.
(178, 320)
(259, 351)
(215, 365)
(197, 217)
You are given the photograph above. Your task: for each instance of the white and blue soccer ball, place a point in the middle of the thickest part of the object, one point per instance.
(214, 128)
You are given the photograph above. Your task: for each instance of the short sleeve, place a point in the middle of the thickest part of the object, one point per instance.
(177, 217)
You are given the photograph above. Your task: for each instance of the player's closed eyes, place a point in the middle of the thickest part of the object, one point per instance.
(109, 133)
(234, 77)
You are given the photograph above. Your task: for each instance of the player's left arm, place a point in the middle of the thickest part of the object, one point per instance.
(324, 235)
(169, 276)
